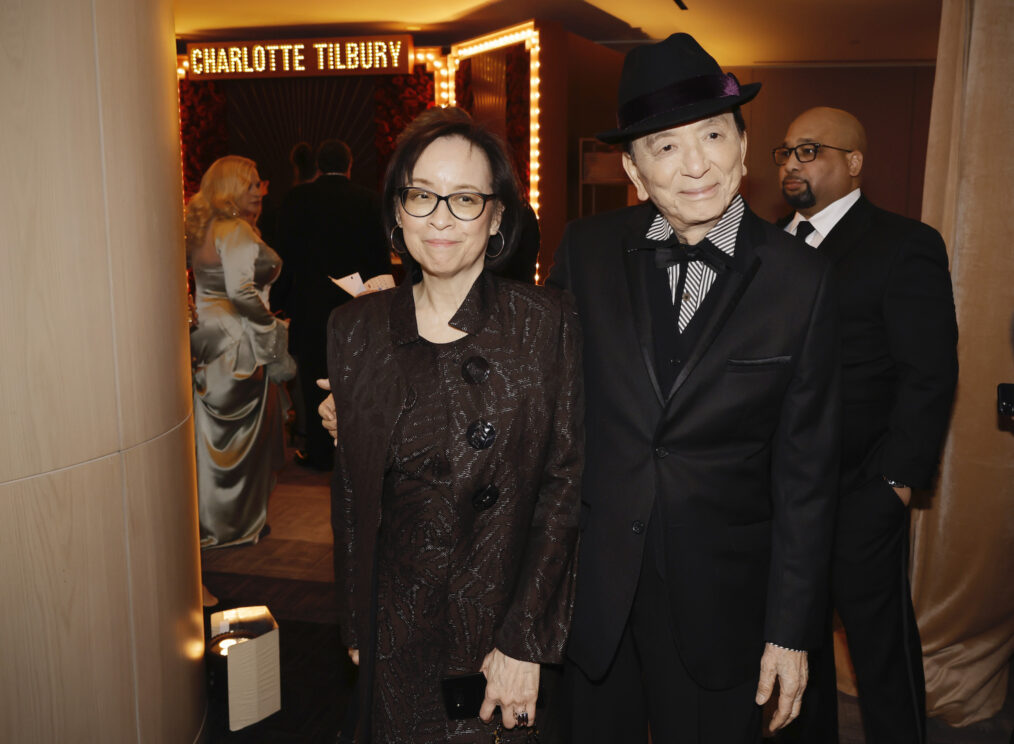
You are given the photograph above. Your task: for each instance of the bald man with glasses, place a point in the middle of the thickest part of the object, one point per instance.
(899, 370)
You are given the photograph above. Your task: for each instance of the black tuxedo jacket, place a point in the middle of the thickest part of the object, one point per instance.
(329, 227)
(898, 344)
(741, 453)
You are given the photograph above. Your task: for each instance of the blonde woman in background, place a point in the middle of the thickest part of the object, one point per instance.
(239, 350)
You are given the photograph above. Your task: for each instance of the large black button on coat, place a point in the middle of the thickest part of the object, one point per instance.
(475, 370)
(481, 434)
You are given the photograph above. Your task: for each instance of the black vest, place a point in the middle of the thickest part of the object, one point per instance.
(672, 348)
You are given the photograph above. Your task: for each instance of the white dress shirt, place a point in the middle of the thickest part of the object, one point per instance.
(825, 220)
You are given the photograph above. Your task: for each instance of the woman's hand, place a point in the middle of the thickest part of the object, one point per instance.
(354, 655)
(511, 684)
(326, 409)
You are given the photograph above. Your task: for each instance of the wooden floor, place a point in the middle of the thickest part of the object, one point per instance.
(290, 570)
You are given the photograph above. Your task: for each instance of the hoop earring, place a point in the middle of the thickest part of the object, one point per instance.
(394, 245)
(503, 244)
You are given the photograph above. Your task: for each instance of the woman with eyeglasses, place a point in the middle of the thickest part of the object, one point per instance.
(238, 348)
(455, 498)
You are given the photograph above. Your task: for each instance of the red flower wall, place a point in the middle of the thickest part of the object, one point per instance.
(398, 99)
(204, 131)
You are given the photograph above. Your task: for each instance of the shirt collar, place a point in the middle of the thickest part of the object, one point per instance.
(825, 220)
(475, 311)
(722, 235)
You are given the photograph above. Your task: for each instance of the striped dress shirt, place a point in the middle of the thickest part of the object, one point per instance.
(700, 276)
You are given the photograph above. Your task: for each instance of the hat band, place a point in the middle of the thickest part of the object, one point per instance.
(681, 93)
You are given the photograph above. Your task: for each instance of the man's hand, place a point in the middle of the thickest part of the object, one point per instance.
(329, 419)
(354, 655)
(790, 669)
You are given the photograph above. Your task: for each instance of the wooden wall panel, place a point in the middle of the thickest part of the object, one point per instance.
(101, 638)
(489, 89)
(146, 254)
(57, 380)
(591, 102)
(756, 175)
(922, 101)
(892, 104)
(65, 633)
(162, 523)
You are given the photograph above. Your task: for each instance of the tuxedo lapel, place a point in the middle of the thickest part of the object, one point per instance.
(745, 267)
(844, 236)
(634, 263)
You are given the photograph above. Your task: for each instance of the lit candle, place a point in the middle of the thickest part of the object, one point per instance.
(221, 644)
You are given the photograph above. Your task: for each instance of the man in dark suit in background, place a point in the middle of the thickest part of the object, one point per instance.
(899, 369)
(712, 431)
(329, 227)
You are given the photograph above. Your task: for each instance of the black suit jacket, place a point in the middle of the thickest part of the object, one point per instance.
(898, 344)
(329, 227)
(741, 453)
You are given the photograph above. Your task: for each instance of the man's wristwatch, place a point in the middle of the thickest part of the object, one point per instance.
(894, 483)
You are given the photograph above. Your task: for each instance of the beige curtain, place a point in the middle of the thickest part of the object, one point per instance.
(963, 542)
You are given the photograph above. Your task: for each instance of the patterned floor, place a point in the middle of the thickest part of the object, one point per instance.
(290, 571)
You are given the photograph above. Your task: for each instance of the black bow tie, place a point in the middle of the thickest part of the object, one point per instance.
(674, 252)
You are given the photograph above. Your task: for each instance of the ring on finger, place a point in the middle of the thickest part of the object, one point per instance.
(521, 717)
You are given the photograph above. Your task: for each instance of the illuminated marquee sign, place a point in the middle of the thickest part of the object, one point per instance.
(360, 55)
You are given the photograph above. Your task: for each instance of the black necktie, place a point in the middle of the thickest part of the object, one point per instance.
(803, 229)
(675, 252)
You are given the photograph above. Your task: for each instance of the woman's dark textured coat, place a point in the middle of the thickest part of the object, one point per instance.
(487, 556)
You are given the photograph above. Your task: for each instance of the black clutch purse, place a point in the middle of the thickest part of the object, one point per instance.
(463, 695)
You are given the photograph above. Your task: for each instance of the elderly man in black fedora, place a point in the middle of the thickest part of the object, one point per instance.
(711, 379)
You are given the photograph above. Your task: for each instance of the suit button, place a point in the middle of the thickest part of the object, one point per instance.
(637, 526)
(661, 452)
(485, 497)
(481, 434)
(475, 370)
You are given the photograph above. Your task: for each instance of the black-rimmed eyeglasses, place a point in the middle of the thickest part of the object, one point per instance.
(805, 153)
(465, 205)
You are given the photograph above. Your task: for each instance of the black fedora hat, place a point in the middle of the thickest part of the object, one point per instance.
(670, 83)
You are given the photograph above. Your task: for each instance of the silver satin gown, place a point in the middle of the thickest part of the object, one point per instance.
(237, 416)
